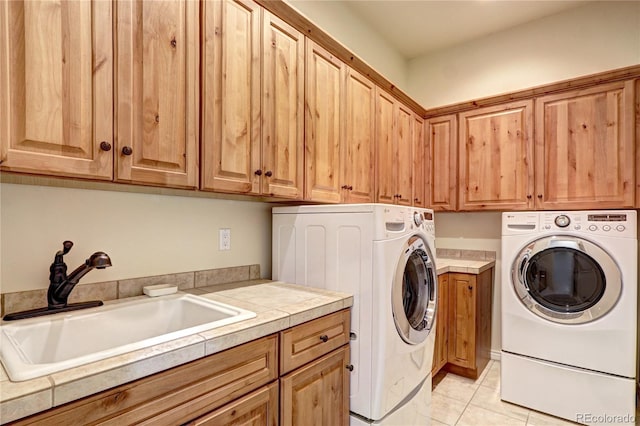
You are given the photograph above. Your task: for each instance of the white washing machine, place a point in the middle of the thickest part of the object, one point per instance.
(383, 255)
(569, 313)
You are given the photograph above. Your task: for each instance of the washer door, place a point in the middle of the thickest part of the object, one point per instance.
(413, 294)
(566, 279)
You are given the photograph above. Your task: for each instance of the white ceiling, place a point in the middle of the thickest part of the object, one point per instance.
(417, 27)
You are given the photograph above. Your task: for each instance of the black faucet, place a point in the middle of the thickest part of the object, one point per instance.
(61, 284)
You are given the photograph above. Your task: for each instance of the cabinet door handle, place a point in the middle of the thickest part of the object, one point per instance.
(350, 188)
(126, 150)
(258, 172)
(349, 367)
(470, 288)
(540, 196)
(417, 200)
(324, 338)
(105, 146)
(529, 196)
(268, 173)
(344, 187)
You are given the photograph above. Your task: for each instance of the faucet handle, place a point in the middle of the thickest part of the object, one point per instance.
(66, 246)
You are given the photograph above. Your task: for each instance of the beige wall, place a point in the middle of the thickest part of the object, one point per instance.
(144, 234)
(336, 18)
(597, 37)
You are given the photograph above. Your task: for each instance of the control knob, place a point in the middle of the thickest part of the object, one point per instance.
(417, 218)
(562, 221)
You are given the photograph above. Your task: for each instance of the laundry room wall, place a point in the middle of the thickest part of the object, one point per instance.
(143, 233)
(597, 37)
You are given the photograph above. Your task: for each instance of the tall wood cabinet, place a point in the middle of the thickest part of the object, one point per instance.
(496, 157)
(56, 88)
(357, 169)
(157, 95)
(420, 163)
(252, 97)
(584, 148)
(394, 151)
(324, 91)
(442, 160)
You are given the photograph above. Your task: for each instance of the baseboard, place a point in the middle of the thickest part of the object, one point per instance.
(495, 355)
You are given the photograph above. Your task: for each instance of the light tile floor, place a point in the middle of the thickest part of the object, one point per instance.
(459, 401)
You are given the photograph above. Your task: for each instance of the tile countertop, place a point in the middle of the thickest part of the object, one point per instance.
(278, 306)
(465, 266)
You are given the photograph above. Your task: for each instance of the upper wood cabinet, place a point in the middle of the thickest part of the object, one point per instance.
(282, 109)
(56, 88)
(495, 154)
(157, 95)
(324, 91)
(404, 149)
(442, 173)
(230, 136)
(252, 97)
(358, 152)
(585, 148)
(386, 149)
(420, 163)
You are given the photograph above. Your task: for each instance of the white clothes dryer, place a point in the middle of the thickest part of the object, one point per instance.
(569, 313)
(383, 255)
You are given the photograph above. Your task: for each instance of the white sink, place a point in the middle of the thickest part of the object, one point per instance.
(35, 347)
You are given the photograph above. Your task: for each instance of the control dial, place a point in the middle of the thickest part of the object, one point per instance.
(417, 218)
(562, 221)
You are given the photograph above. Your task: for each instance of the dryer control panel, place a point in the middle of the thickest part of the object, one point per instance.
(614, 223)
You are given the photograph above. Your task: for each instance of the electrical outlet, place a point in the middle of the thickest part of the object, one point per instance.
(225, 239)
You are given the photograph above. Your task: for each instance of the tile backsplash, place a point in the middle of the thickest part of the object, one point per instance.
(111, 290)
(465, 254)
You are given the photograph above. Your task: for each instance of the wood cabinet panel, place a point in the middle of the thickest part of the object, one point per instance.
(324, 90)
(442, 177)
(404, 141)
(358, 161)
(308, 341)
(440, 349)
(56, 90)
(585, 149)
(257, 408)
(420, 163)
(231, 96)
(282, 109)
(386, 148)
(318, 393)
(496, 152)
(203, 385)
(157, 93)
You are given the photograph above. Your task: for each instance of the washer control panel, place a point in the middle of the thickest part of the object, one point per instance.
(611, 223)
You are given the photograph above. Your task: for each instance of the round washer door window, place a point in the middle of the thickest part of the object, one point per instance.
(413, 295)
(566, 279)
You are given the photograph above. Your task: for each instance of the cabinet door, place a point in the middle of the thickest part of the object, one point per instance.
(585, 149)
(440, 350)
(462, 320)
(282, 109)
(496, 157)
(56, 93)
(386, 148)
(318, 393)
(442, 178)
(231, 96)
(420, 163)
(404, 141)
(324, 91)
(157, 95)
(358, 153)
(257, 408)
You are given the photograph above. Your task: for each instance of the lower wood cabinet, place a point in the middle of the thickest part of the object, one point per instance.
(464, 302)
(239, 386)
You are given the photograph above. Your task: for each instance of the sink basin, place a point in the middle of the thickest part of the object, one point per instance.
(39, 346)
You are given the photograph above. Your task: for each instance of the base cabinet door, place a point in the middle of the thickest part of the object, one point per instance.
(440, 350)
(317, 394)
(257, 408)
